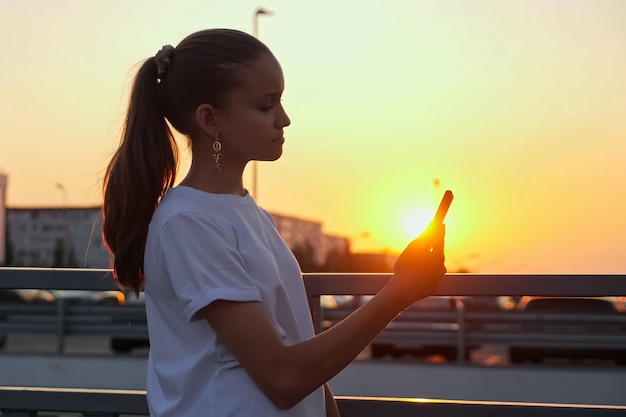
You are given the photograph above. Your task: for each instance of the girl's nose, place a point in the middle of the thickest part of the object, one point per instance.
(283, 120)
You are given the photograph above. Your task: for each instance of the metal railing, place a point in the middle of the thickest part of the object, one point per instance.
(458, 329)
(29, 401)
(64, 319)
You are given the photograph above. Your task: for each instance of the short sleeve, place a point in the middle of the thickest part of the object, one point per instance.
(203, 263)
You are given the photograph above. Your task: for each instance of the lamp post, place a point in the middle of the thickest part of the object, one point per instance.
(255, 31)
(64, 193)
(62, 245)
(255, 19)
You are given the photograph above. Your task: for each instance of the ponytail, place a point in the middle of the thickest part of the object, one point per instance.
(139, 174)
(166, 89)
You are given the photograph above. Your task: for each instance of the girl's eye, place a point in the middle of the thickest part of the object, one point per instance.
(271, 104)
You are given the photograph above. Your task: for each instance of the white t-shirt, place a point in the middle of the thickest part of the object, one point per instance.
(203, 247)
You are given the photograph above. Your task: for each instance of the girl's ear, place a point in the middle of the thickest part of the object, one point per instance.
(205, 119)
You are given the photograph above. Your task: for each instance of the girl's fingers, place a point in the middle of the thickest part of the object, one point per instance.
(438, 238)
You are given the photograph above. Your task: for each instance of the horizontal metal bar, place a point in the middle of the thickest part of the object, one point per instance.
(352, 284)
(20, 399)
(57, 279)
(371, 407)
(73, 400)
(476, 284)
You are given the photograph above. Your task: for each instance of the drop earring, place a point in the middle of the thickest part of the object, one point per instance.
(217, 153)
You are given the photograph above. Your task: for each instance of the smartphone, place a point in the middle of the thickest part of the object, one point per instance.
(444, 205)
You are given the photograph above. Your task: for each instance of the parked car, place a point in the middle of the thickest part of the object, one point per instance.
(89, 297)
(19, 297)
(593, 317)
(489, 303)
(11, 296)
(36, 295)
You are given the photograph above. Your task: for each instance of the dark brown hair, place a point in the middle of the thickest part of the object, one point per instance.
(203, 69)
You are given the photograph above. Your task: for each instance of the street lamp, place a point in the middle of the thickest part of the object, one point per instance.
(255, 19)
(64, 243)
(255, 31)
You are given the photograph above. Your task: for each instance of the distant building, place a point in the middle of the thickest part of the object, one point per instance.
(372, 262)
(72, 237)
(61, 237)
(306, 234)
(3, 217)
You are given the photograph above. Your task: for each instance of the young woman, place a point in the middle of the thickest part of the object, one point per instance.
(229, 323)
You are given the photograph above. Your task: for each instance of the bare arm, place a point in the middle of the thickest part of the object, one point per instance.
(288, 373)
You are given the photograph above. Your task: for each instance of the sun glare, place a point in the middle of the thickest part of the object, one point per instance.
(416, 222)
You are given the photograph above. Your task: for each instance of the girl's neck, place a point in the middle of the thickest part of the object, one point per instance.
(218, 182)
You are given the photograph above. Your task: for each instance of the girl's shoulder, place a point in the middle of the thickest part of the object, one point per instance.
(188, 197)
(189, 202)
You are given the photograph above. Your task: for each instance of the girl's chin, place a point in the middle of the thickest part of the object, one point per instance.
(277, 157)
(272, 157)
(267, 159)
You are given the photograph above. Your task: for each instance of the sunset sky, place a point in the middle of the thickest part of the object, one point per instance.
(518, 106)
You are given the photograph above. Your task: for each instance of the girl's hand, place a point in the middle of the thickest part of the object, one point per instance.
(420, 267)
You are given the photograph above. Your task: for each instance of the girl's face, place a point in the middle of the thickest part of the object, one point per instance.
(251, 125)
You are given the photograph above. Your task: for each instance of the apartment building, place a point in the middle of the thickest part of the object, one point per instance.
(304, 234)
(71, 237)
(61, 237)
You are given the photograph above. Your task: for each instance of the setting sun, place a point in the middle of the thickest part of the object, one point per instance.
(416, 222)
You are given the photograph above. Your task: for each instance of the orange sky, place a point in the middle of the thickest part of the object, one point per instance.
(517, 106)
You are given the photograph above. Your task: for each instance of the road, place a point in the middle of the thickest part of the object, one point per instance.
(74, 345)
(31, 360)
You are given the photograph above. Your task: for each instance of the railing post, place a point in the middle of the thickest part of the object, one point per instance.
(60, 325)
(314, 297)
(461, 345)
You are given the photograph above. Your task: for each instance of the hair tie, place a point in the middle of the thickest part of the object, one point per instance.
(163, 60)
